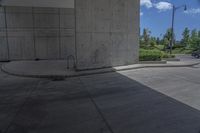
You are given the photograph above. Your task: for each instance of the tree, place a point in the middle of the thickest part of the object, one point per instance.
(198, 34)
(167, 38)
(195, 40)
(194, 34)
(186, 37)
(146, 37)
(153, 42)
(158, 41)
(196, 44)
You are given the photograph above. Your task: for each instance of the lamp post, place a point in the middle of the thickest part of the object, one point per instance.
(173, 16)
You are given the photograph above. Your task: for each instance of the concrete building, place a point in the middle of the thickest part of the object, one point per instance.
(89, 33)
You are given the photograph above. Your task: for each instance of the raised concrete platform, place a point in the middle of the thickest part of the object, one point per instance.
(58, 68)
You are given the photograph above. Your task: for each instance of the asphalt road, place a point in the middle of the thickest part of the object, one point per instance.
(153, 100)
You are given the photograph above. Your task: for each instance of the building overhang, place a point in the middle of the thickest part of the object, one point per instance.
(39, 3)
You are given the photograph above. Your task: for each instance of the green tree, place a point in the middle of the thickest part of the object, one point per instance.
(186, 37)
(167, 38)
(194, 34)
(158, 41)
(146, 37)
(198, 34)
(153, 42)
(195, 40)
(196, 44)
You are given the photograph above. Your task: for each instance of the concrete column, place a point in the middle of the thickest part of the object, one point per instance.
(107, 33)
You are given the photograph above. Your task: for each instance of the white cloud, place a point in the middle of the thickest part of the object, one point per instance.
(160, 6)
(141, 13)
(163, 6)
(193, 11)
(146, 3)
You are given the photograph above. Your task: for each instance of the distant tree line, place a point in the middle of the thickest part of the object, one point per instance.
(190, 39)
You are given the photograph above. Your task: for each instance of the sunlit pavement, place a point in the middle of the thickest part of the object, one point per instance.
(153, 100)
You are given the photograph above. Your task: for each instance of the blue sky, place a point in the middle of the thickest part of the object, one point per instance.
(156, 15)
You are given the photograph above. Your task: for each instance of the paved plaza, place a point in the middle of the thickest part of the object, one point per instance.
(153, 100)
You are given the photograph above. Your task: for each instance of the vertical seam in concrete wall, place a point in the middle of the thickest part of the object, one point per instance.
(6, 27)
(111, 34)
(34, 45)
(76, 58)
(128, 23)
(59, 12)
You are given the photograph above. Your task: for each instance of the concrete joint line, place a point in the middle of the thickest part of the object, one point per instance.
(97, 108)
(22, 105)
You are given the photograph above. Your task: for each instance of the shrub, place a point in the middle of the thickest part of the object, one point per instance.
(150, 55)
(159, 47)
(182, 51)
(166, 55)
(178, 46)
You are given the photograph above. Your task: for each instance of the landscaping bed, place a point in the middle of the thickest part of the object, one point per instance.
(153, 55)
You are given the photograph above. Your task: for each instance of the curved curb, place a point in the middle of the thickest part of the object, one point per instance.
(82, 73)
(160, 66)
(93, 72)
(3, 69)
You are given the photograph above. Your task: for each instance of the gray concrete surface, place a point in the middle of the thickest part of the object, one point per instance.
(58, 68)
(185, 57)
(153, 100)
(107, 33)
(96, 33)
(29, 33)
(39, 3)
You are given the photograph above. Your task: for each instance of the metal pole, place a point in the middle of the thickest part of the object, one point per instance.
(172, 30)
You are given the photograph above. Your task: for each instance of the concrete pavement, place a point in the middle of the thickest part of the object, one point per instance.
(153, 100)
(58, 68)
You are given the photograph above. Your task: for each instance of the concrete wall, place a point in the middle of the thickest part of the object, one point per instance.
(39, 3)
(3, 39)
(98, 33)
(30, 33)
(107, 33)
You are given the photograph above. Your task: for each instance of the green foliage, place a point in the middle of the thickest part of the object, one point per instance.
(145, 38)
(153, 55)
(195, 43)
(168, 34)
(168, 37)
(159, 47)
(194, 34)
(158, 41)
(189, 43)
(166, 55)
(153, 42)
(182, 51)
(186, 37)
(178, 46)
(199, 34)
(150, 55)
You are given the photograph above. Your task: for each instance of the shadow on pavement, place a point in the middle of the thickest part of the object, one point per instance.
(104, 103)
